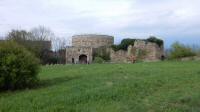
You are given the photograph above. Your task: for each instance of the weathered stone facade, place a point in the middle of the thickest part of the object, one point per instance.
(93, 41)
(83, 47)
(74, 54)
(141, 50)
(119, 56)
(153, 51)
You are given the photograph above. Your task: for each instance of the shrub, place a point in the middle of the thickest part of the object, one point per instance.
(124, 44)
(102, 52)
(115, 47)
(98, 60)
(180, 51)
(153, 39)
(18, 67)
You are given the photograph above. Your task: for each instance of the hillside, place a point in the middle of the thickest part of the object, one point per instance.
(141, 87)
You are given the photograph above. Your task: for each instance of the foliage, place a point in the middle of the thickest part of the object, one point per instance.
(115, 47)
(123, 45)
(126, 42)
(196, 48)
(18, 67)
(102, 52)
(33, 41)
(19, 35)
(141, 87)
(153, 39)
(180, 51)
(41, 33)
(52, 60)
(98, 60)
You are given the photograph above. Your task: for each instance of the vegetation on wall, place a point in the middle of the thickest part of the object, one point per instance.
(153, 39)
(102, 53)
(126, 42)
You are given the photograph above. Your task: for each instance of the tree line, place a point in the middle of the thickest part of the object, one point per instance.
(42, 42)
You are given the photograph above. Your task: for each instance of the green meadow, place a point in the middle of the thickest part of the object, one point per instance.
(141, 87)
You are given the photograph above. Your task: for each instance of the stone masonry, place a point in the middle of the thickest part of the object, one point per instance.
(151, 52)
(84, 46)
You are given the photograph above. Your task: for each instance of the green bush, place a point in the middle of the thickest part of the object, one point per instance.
(180, 51)
(153, 39)
(102, 52)
(98, 60)
(18, 67)
(115, 47)
(124, 44)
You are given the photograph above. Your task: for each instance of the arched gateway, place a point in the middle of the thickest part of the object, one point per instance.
(84, 47)
(83, 59)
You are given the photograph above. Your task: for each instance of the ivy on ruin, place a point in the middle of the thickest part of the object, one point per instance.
(126, 42)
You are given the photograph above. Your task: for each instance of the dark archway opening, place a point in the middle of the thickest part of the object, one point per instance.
(162, 57)
(83, 59)
(73, 61)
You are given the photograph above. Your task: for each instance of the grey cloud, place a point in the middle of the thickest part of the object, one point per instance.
(121, 18)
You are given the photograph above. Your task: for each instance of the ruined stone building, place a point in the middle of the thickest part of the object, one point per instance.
(141, 50)
(84, 46)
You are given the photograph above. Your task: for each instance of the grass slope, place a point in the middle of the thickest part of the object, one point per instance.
(142, 87)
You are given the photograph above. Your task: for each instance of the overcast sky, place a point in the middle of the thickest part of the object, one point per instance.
(171, 20)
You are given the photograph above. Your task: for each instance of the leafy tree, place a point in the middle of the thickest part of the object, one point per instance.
(180, 50)
(18, 67)
(35, 41)
(124, 44)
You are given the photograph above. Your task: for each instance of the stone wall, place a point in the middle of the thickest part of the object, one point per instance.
(90, 45)
(150, 52)
(153, 51)
(119, 56)
(93, 41)
(73, 53)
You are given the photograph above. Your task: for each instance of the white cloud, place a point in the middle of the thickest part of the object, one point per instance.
(121, 18)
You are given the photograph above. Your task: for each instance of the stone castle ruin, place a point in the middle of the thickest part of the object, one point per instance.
(84, 48)
(141, 50)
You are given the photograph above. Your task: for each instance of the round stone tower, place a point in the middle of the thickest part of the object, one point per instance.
(92, 40)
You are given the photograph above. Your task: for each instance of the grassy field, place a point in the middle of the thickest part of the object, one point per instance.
(141, 87)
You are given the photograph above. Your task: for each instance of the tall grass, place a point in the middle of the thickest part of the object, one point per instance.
(141, 87)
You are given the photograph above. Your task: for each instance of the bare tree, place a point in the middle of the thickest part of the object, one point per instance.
(38, 41)
(59, 47)
(59, 43)
(42, 33)
(18, 35)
